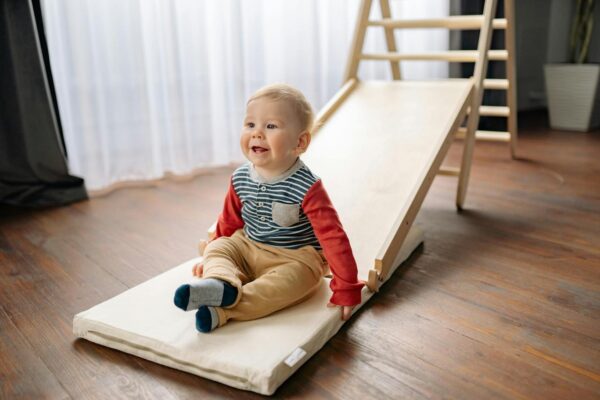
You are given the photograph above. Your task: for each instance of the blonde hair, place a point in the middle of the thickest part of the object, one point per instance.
(294, 97)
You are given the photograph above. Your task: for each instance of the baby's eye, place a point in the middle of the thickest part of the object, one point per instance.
(250, 124)
(271, 126)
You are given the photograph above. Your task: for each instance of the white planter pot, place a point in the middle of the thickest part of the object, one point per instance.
(572, 92)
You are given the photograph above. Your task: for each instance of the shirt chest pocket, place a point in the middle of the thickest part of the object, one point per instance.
(285, 214)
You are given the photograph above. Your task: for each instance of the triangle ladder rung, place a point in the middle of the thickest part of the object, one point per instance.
(450, 55)
(464, 22)
(490, 136)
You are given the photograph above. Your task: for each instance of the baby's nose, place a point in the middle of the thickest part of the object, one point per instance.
(257, 133)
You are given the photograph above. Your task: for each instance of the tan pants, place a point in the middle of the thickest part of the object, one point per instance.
(268, 278)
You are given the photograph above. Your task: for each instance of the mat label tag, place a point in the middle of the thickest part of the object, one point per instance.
(296, 356)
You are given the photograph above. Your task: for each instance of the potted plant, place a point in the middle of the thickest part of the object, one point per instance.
(572, 89)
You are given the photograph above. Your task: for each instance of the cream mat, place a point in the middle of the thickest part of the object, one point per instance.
(256, 355)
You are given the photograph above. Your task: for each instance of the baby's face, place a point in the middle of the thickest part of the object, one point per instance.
(270, 136)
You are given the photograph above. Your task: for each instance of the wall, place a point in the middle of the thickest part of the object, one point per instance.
(531, 35)
(547, 23)
(561, 16)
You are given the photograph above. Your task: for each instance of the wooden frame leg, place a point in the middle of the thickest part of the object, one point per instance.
(485, 39)
(390, 38)
(358, 41)
(511, 75)
(465, 166)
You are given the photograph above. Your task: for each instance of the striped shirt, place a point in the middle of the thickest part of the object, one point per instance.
(271, 210)
(291, 211)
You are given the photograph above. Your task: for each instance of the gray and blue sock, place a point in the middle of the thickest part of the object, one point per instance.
(207, 319)
(205, 292)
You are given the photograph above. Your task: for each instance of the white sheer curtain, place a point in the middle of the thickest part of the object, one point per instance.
(147, 87)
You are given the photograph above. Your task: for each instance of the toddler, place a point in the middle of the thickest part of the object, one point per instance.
(278, 233)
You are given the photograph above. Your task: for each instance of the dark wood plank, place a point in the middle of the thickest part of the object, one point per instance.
(40, 305)
(24, 374)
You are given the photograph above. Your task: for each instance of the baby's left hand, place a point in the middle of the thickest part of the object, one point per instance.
(346, 310)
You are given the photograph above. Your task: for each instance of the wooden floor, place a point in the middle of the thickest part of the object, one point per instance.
(503, 301)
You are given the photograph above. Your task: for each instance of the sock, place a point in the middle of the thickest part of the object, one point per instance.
(207, 319)
(205, 292)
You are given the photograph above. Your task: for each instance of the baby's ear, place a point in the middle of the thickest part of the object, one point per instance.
(303, 142)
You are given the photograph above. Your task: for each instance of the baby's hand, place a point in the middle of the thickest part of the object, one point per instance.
(198, 269)
(346, 310)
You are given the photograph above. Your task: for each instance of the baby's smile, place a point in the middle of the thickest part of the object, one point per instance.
(259, 150)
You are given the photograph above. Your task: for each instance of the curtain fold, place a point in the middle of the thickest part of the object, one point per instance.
(33, 166)
(147, 87)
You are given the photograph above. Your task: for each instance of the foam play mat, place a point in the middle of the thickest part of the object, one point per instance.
(256, 355)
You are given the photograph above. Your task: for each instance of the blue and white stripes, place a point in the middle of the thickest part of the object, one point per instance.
(272, 210)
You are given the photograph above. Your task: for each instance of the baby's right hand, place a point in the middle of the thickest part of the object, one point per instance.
(198, 270)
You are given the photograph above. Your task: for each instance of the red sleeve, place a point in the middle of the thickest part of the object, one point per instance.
(327, 226)
(230, 219)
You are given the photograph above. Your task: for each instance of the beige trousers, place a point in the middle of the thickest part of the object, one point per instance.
(268, 278)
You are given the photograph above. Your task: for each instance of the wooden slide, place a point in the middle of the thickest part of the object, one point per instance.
(381, 143)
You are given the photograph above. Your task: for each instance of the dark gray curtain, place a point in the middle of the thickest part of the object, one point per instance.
(33, 167)
(496, 69)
